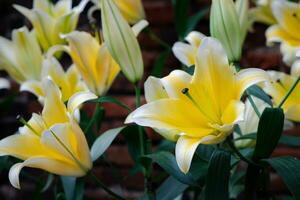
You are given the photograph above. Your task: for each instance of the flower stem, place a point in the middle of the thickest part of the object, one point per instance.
(238, 153)
(289, 92)
(100, 184)
(155, 38)
(253, 105)
(138, 104)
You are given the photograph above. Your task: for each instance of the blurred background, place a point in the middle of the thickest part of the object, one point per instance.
(159, 61)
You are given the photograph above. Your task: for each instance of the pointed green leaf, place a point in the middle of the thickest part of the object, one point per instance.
(288, 168)
(69, 184)
(103, 142)
(170, 189)
(217, 181)
(269, 131)
(259, 93)
(167, 161)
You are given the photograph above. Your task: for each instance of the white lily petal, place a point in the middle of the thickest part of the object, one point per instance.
(77, 99)
(184, 53)
(4, 84)
(138, 27)
(184, 152)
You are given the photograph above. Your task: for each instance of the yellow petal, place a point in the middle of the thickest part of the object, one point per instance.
(213, 81)
(276, 33)
(171, 114)
(287, 14)
(195, 38)
(293, 112)
(234, 113)
(36, 126)
(247, 77)
(54, 108)
(79, 98)
(184, 53)
(184, 152)
(48, 164)
(289, 52)
(132, 10)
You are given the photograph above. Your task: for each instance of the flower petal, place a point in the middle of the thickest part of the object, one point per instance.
(276, 34)
(4, 84)
(247, 77)
(79, 98)
(195, 38)
(138, 27)
(234, 112)
(295, 70)
(293, 112)
(35, 87)
(184, 53)
(54, 108)
(154, 89)
(171, 114)
(287, 13)
(184, 152)
(48, 164)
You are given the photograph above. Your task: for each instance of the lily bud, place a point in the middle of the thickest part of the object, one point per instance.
(229, 24)
(50, 20)
(121, 42)
(132, 10)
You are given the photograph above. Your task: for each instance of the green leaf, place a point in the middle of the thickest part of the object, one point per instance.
(269, 131)
(69, 184)
(160, 63)
(181, 16)
(259, 93)
(108, 99)
(205, 152)
(193, 21)
(170, 189)
(133, 143)
(292, 141)
(103, 142)
(167, 161)
(217, 180)
(288, 169)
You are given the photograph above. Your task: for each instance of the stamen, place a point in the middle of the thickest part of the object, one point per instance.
(185, 91)
(25, 123)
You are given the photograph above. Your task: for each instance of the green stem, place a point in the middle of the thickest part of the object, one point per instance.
(155, 38)
(238, 153)
(94, 117)
(289, 92)
(138, 104)
(102, 185)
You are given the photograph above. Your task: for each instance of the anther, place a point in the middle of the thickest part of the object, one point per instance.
(185, 90)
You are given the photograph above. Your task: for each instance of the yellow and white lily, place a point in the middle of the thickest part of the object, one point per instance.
(92, 60)
(279, 87)
(69, 82)
(202, 108)
(21, 57)
(262, 12)
(286, 30)
(186, 53)
(4, 83)
(132, 10)
(50, 20)
(51, 141)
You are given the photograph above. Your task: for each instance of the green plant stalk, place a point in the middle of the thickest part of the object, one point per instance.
(253, 105)
(102, 185)
(289, 92)
(156, 39)
(98, 107)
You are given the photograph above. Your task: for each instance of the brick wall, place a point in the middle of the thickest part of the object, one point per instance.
(117, 161)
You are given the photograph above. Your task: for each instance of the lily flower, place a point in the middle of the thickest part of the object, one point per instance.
(263, 12)
(132, 10)
(50, 20)
(92, 60)
(51, 141)
(279, 87)
(21, 57)
(69, 82)
(286, 30)
(186, 53)
(202, 108)
(4, 84)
